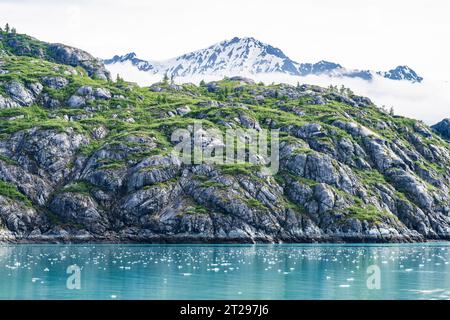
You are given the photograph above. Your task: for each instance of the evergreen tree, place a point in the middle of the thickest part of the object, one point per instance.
(202, 83)
(13, 31)
(391, 111)
(166, 78)
(7, 28)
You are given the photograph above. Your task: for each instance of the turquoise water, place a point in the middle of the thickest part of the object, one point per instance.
(412, 271)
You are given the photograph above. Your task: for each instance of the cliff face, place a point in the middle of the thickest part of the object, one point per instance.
(83, 158)
(443, 128)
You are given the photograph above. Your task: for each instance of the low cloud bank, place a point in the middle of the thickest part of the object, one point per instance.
(428, 101)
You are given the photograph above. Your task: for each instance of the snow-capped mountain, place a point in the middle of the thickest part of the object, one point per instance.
(248, 56)
(402, 73)
(131, 57)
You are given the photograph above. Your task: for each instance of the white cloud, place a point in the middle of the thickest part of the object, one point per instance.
(428, 101)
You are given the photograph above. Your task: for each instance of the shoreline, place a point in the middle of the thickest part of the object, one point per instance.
(165, 240)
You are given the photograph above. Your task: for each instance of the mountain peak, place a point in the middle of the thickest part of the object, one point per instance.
(243, 39)
(402, 73)
(130, 55)
(132, 58)
(122, 58)
(238, 56)
(250, 42)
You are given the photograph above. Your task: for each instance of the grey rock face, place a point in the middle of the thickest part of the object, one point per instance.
(248, 122)
(33, 186)
(36, 88)
(76, 57)
(76, 102)
(102, 93)
(85, 91)
(99, 133)
(89, 93)
(46, 153)
(153, 170)
(407, 182)
(78, 208)
(443, 128)
(183, 110)
(17, 217)
(6, 103)
(55, 82)
(19, 93)
(49, 102)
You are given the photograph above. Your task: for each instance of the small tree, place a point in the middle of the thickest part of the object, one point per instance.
(165, 78)
(7, 28)
(13, 31)
(202, 83)
(391, 111)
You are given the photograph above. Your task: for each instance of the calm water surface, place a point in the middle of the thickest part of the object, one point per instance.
(410, 271)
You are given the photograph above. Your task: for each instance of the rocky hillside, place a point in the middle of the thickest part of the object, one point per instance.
(83, 158)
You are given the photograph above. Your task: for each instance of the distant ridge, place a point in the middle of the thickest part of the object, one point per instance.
(248, 55)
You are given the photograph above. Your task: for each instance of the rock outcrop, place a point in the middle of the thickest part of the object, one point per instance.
(443, 128)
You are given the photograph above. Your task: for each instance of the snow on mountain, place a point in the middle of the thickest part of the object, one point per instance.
(402, 73)
(141, 65)
(236, 56)
(248, 56)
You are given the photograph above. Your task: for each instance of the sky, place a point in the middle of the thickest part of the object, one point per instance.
(369, 34)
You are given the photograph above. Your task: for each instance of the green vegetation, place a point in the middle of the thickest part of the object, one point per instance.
(213, 184)
(253, 203)
(196, 209)
(366, 212)
(7, 160)
(81, 187)
(10, 191)
(371, 177)
(243, 168)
